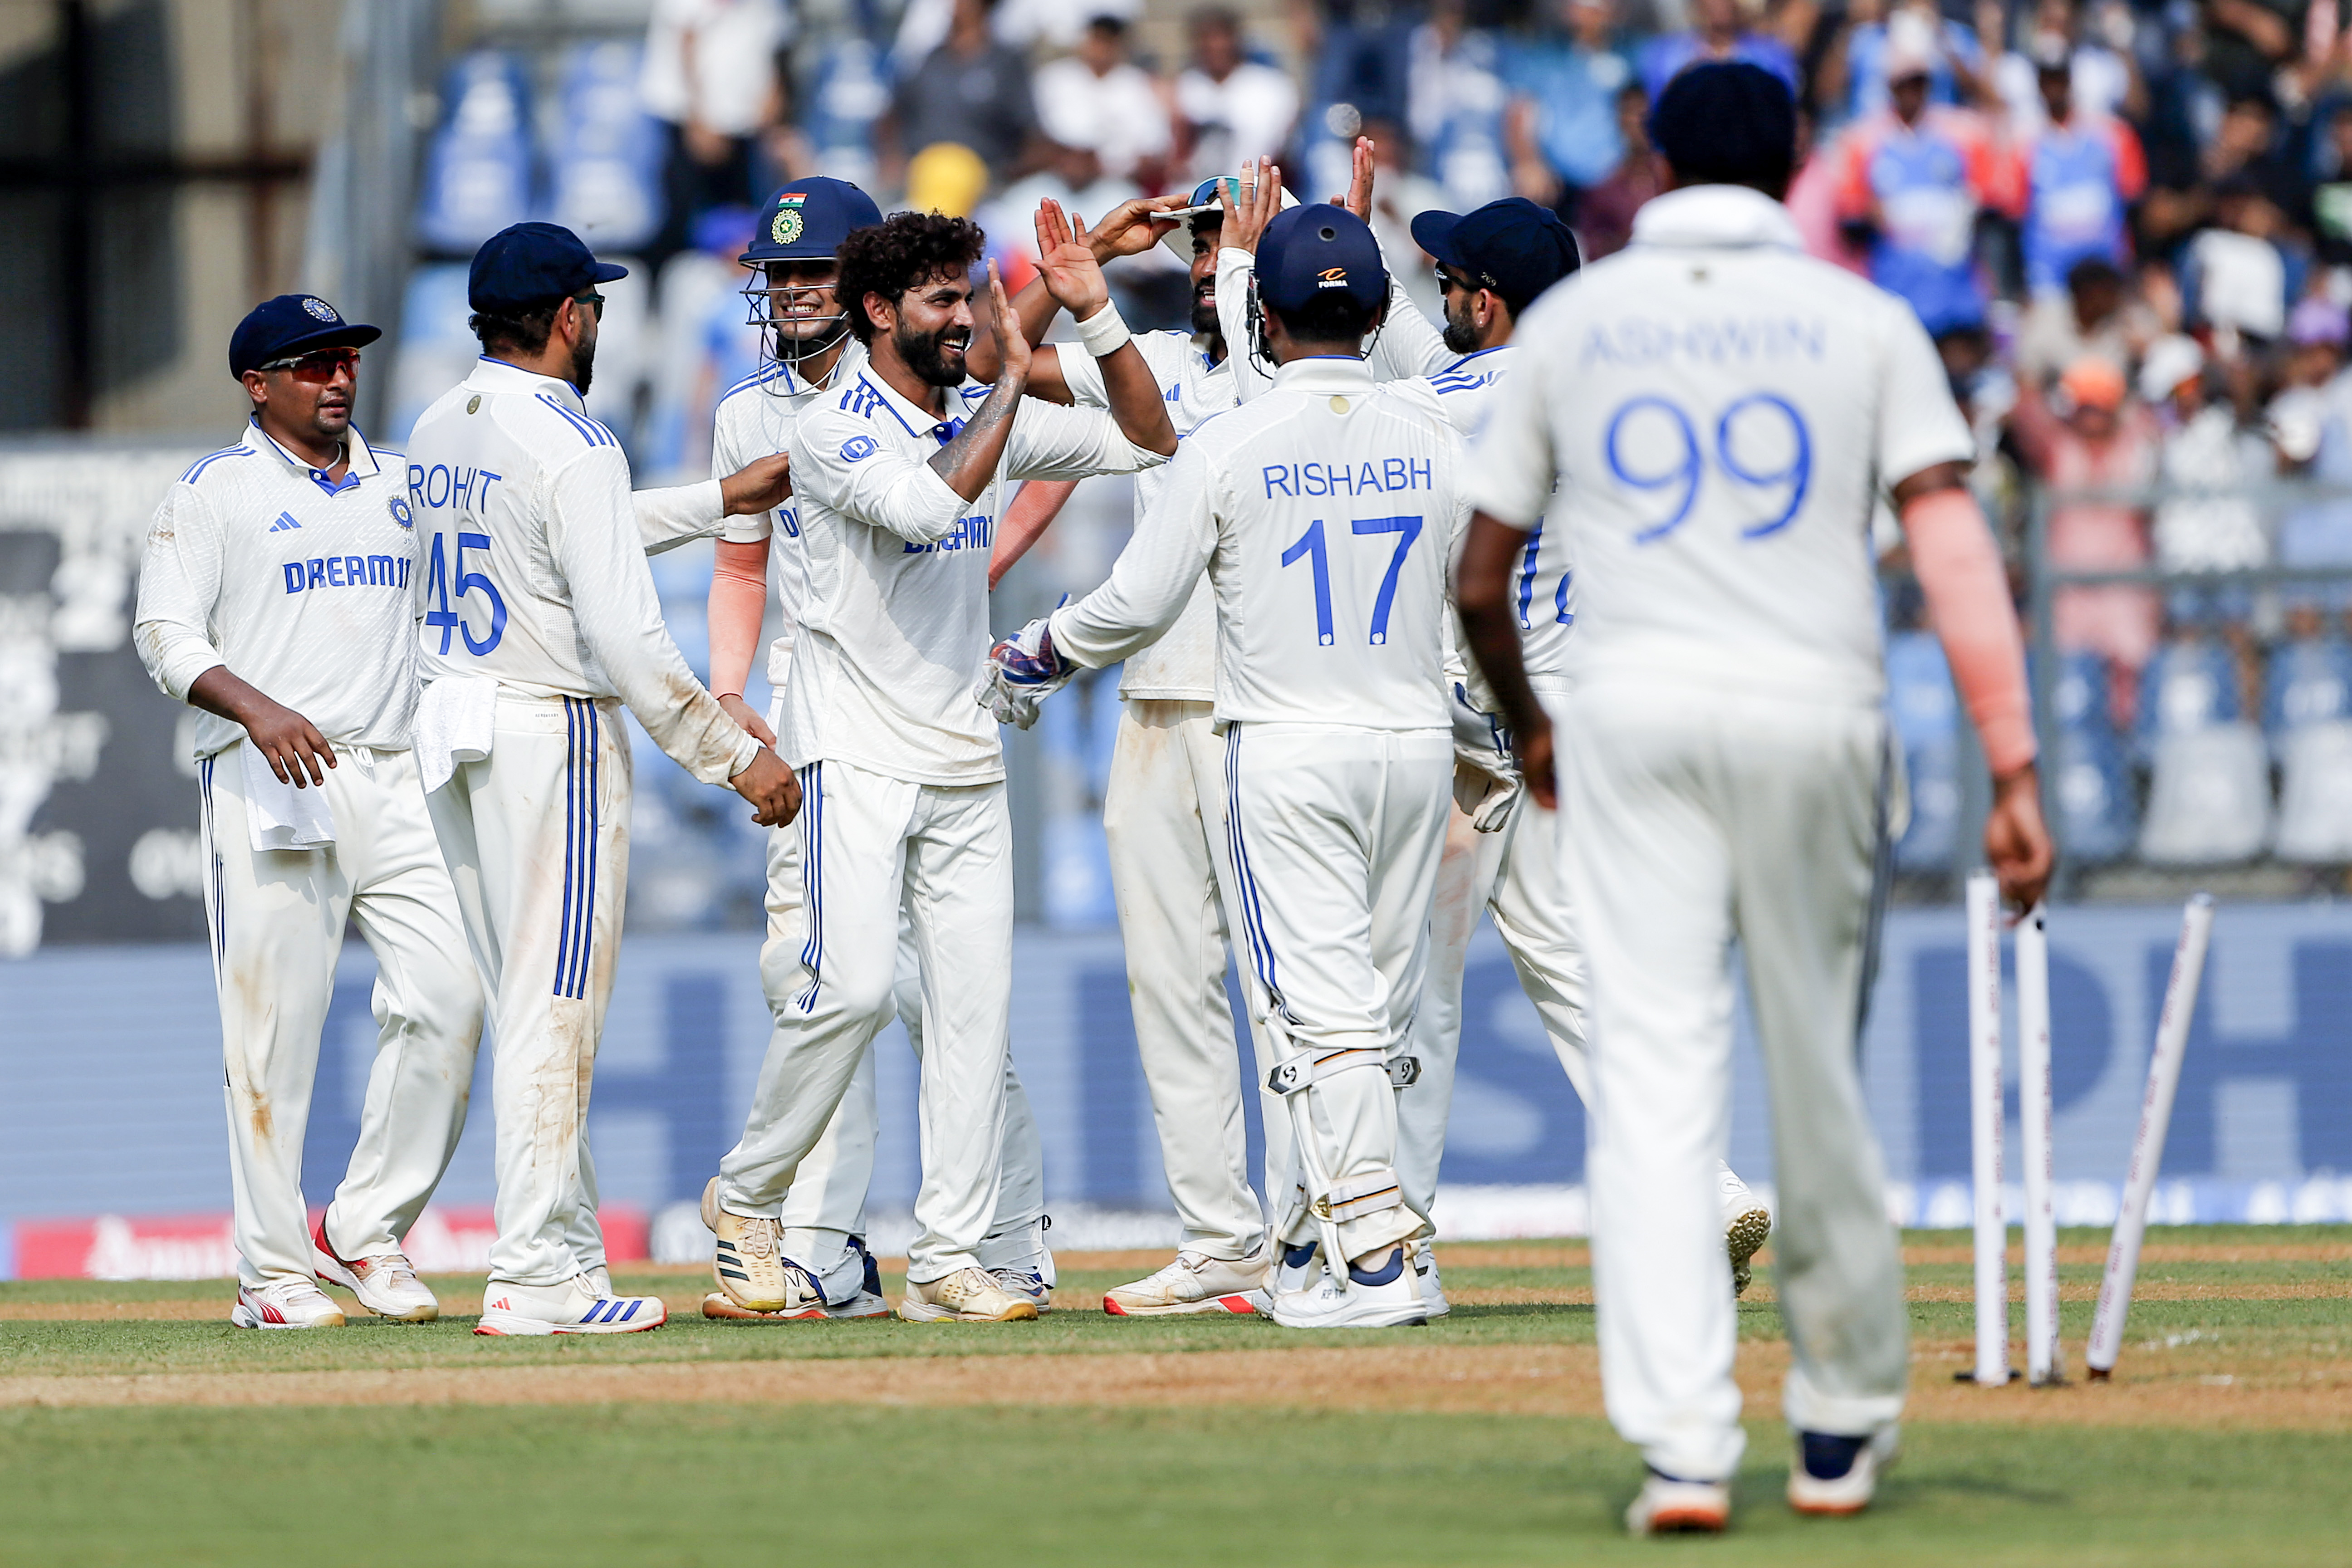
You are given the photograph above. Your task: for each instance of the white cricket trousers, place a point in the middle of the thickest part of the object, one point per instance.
(826, 1205)
(876, 851)
(536, 835)
(1171, 873)
(1512, 874)
(1692, 817)
(1336, 838)
(277, 920)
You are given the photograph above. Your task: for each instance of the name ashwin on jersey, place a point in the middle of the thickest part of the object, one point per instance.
(1382, 476)
(1719, 340)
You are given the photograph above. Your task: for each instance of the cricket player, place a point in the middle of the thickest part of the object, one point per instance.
(1324, 521)
(1719, 413)
(540, 620)
(1163, 808)
(808, 349)
(897, 482)
(275, 596)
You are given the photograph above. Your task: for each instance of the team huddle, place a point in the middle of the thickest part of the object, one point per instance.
(1537, 615)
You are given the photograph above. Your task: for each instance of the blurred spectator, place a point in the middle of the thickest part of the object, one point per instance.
(1720, 32)
(1812, 200)
(2235, 269)
(2090, 440)
(945, 177)
(2320, 535)
(1454, 103)
(2243, 153)
(1399, 196)
(1604, 213)
(710, 77)
(1915, 179)
(2102, 79)
(1562, 126)
(2247, 42)
(2206, 456)
(1230, 107)
(1098, 99)
(2082, 171)
(2096, 316)
(1859, 60)
(971, 91)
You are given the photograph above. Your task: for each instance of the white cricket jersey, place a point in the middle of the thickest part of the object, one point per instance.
(299, 583)
(1325, 514)
(531, 569)
(1182, 667)
(755, 419)
(894, 625)
(1720, 411)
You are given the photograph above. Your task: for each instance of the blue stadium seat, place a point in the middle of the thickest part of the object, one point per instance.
(2190, 686)
(2208, 799)
(852, 89)
(478, 167)
(2309, 682)
(605, 161)
(2090, 787)
(2308, 709)
(1921, 706)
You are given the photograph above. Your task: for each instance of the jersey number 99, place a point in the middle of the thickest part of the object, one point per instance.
(1640, 424)
(437, 587)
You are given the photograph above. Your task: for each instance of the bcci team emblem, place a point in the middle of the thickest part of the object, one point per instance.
(401, 514)
(320, 308)
(787, 226)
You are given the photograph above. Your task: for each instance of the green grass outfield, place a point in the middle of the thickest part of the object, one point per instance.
(657, 1484)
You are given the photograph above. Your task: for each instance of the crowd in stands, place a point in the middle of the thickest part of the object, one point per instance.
(2127, 224)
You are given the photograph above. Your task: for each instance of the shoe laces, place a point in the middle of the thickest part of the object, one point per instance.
(761, 1238)
(391, 1268)
(965, 1286)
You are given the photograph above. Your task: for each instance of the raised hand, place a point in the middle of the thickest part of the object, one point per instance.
(1073, 277)
(1253, 205)
(1133, 227)
(1359, 199)
(1011, 344)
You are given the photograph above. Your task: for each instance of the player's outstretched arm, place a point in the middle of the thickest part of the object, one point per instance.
(290, 741)
(738, 604)
(1076, 278)
(1490, 634)
(1127, 229)
(1967, 591)
(673, 515)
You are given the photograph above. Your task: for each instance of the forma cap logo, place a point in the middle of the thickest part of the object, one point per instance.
(1331, 277)
(320, 308)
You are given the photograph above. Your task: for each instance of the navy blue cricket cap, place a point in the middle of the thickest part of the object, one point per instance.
(1514, 246)
(1727, 123)
(532, 264)
(807, 221)
(291, 324)
(1313, 250)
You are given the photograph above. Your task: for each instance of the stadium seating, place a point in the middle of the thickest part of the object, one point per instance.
(2209, 790)
(851, 93)
(1922, 707)
(2307, 710)
(605, 159)
(2090, 795)
(479, 169)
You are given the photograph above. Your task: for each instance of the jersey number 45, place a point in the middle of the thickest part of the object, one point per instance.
(437, 587)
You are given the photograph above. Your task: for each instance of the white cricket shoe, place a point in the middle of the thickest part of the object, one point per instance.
(571, 1307)
(386, 1284)
(1746, 1223)
(1433, 1289)
(1023, 1263)
(1386, 1298)
(1840, 1475)
(285, 1304)
(865, 1301)
(967, 1296)
(599, 1280)
(748, 1264)
(1195, 1284)
(1665, 1506)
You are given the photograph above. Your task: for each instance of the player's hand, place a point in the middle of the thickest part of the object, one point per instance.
(1133, 227)
(1073, 277)
(1023, 671)
(758, 486)
(743, 713)
(291, 742)
(1012, 345)
(1486, 782)
(774, 790)
(1359, 199)
(1251, 206)
(1533, 745)
(2016, 839)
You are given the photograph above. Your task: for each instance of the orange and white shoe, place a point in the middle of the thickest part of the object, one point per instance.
(571, 1307)
(285, 1304)
(1195, 1285)
(386, 1284)
(1666, 1506)
(1834, 1474)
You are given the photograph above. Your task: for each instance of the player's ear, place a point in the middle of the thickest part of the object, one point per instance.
(881, 312)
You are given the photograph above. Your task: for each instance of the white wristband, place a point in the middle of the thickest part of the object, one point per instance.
(1104, 333)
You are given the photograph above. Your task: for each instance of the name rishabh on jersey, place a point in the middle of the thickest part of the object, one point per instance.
(1325, 513)
(895, 621)
(1720, 411)
(302, 584)
(756, 418)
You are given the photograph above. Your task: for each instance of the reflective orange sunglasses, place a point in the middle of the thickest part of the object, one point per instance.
(320, 366)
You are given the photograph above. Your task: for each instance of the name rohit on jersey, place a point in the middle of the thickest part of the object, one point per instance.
(442, 485)
(969, 533)
(1380, 477)
(346, 572)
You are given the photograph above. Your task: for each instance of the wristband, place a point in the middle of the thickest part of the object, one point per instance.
(1104, 333)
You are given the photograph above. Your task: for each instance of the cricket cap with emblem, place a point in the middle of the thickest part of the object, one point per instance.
(531, 265)
(1310, 251)
(1514, 246)
(807, 221)
(291, 324)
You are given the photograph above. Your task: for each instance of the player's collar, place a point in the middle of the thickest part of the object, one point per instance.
(1715, 216)
(914, 420)
(497, 375)
(1325, 373)
(1480, 353)
(361, 457)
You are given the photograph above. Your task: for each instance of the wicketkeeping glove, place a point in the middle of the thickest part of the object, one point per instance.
(1486, 782)
(1022, 671)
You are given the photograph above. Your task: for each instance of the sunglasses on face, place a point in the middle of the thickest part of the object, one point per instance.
(320, 366)
(1447, 283)
(591, 300)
